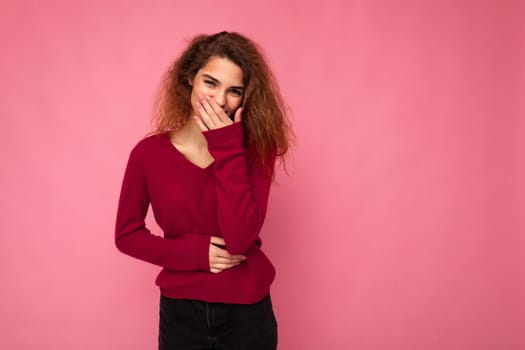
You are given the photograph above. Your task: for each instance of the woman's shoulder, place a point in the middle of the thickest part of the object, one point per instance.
(150, 143)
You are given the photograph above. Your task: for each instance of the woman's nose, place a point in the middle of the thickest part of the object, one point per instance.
(220, 98)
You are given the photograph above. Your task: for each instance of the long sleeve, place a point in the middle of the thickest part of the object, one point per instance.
(186, 252)
(241, 187)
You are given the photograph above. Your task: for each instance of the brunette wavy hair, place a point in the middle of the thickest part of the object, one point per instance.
(267, 129)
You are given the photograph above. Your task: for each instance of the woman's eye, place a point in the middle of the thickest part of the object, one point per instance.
(209, 83)
(237, 92)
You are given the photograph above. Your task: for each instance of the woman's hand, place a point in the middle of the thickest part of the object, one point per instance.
(220, 259)
(212, 116)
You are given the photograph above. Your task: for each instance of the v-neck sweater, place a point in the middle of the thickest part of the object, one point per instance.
(228, 198)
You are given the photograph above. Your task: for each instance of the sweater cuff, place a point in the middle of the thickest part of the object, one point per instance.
(227, 137)
(204, 252)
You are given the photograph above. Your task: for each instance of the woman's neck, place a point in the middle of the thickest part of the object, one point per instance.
(189, 136)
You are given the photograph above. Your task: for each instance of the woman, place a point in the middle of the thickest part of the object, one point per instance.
(206, 171)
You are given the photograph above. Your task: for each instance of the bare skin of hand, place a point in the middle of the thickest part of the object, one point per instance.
(220, 259)
(212, 116)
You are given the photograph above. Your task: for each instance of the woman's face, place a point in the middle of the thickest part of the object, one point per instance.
(221, 79)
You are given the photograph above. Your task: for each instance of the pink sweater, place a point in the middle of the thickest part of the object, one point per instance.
(227, 199)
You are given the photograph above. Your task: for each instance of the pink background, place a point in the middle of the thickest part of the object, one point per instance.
(401, 223)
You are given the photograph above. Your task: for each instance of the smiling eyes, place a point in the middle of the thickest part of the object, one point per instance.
(213, 84)
(210, 83)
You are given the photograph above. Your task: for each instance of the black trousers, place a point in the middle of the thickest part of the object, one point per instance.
(194, 324)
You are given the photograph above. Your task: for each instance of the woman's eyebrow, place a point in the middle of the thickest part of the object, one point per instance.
(211, 78)
(215, 80)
